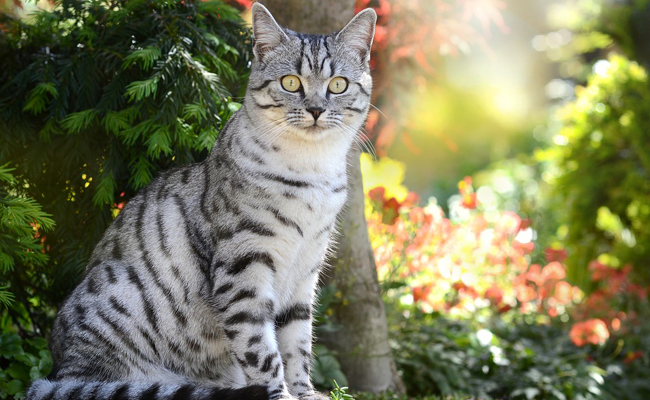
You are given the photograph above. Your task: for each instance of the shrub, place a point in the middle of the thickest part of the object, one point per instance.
(605, 129)
(96, 97)
(471, 313)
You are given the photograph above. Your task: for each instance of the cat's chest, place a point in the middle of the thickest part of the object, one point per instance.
(313, 208)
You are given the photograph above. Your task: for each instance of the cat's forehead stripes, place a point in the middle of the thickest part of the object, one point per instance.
(315, 56)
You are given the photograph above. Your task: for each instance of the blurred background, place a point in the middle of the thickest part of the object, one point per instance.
(506, 173)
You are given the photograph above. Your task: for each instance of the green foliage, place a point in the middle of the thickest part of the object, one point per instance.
(340, 393)
(325, 368)
(22, 255)
(22, 258)
(388, 395)
(96, 97)
(602, 161)
(515, 360)
(625, 358)
(22, 361)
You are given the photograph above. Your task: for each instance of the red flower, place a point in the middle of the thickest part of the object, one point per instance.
(421, 293)
(377, 194)
(469, 201)
(552, 254)
(390, 210)
(592, 331)
(494, 294)
(632, 356)
(599, 271)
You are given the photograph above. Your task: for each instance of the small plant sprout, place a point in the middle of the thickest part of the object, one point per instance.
(339, 393)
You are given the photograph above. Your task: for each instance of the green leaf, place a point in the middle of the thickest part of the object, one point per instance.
(196, 111)
(75, 122)
(18, 371)
(159, 142)
(142, 173)
(15, 386)
(10, 345)
(115, 122)
(146, 58)
(105, 191)
(37, 99)
(138, 90)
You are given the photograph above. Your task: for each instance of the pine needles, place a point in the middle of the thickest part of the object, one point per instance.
(96, 97)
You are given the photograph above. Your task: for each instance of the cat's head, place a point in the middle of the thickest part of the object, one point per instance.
(310, 86)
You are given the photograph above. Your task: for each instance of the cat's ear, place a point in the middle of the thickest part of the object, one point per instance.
(359, 32)
(267, 34)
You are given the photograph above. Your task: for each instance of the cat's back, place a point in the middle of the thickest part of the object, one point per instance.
(141, 294)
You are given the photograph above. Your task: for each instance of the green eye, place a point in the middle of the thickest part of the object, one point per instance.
(338, 85)
(291, 83)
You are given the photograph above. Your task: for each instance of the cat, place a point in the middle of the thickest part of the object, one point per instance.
(203, 286)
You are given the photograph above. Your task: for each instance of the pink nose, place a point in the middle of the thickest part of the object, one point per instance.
(316, 112)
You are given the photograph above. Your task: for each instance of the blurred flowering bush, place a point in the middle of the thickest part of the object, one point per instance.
(471, 261)
(476, 266)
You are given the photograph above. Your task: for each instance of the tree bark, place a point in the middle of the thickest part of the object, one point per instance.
(362, 342)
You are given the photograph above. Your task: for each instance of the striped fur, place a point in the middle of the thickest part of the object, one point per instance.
(202, 288)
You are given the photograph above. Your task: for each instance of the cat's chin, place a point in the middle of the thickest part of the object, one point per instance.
(313, 132)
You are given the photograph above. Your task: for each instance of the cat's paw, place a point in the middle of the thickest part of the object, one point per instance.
(284, 395)
(314, 396)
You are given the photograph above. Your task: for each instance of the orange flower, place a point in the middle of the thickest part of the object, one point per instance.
(525, 294)
(534, 274)
(563, 292)
(508, 224)
(465, 185)
(525, 248)
(592, 331)
(554, 270)
(421, 292)
(494, 294)
(469, 201)
(411, 200)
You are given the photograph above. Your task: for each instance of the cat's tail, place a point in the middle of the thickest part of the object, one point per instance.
(78, 390)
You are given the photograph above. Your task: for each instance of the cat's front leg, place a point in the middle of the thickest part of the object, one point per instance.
(293, 326)
(245, 303)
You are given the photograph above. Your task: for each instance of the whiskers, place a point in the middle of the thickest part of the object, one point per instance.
(360, 138)
(271, 130)
(380, 112)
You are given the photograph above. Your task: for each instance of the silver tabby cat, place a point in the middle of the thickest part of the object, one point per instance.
(202, 288)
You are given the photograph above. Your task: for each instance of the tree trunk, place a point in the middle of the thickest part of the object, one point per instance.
(362, 342)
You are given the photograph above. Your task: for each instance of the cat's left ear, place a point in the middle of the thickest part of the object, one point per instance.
(359, 32)
(266, 32)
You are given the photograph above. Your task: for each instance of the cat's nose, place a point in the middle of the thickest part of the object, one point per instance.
(316, 112)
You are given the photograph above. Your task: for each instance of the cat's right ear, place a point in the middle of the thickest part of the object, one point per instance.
(267, 34)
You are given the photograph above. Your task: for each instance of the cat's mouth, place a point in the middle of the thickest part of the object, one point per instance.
(315, 128)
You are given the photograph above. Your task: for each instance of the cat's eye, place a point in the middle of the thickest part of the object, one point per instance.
(338, 85)
(290, 83)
